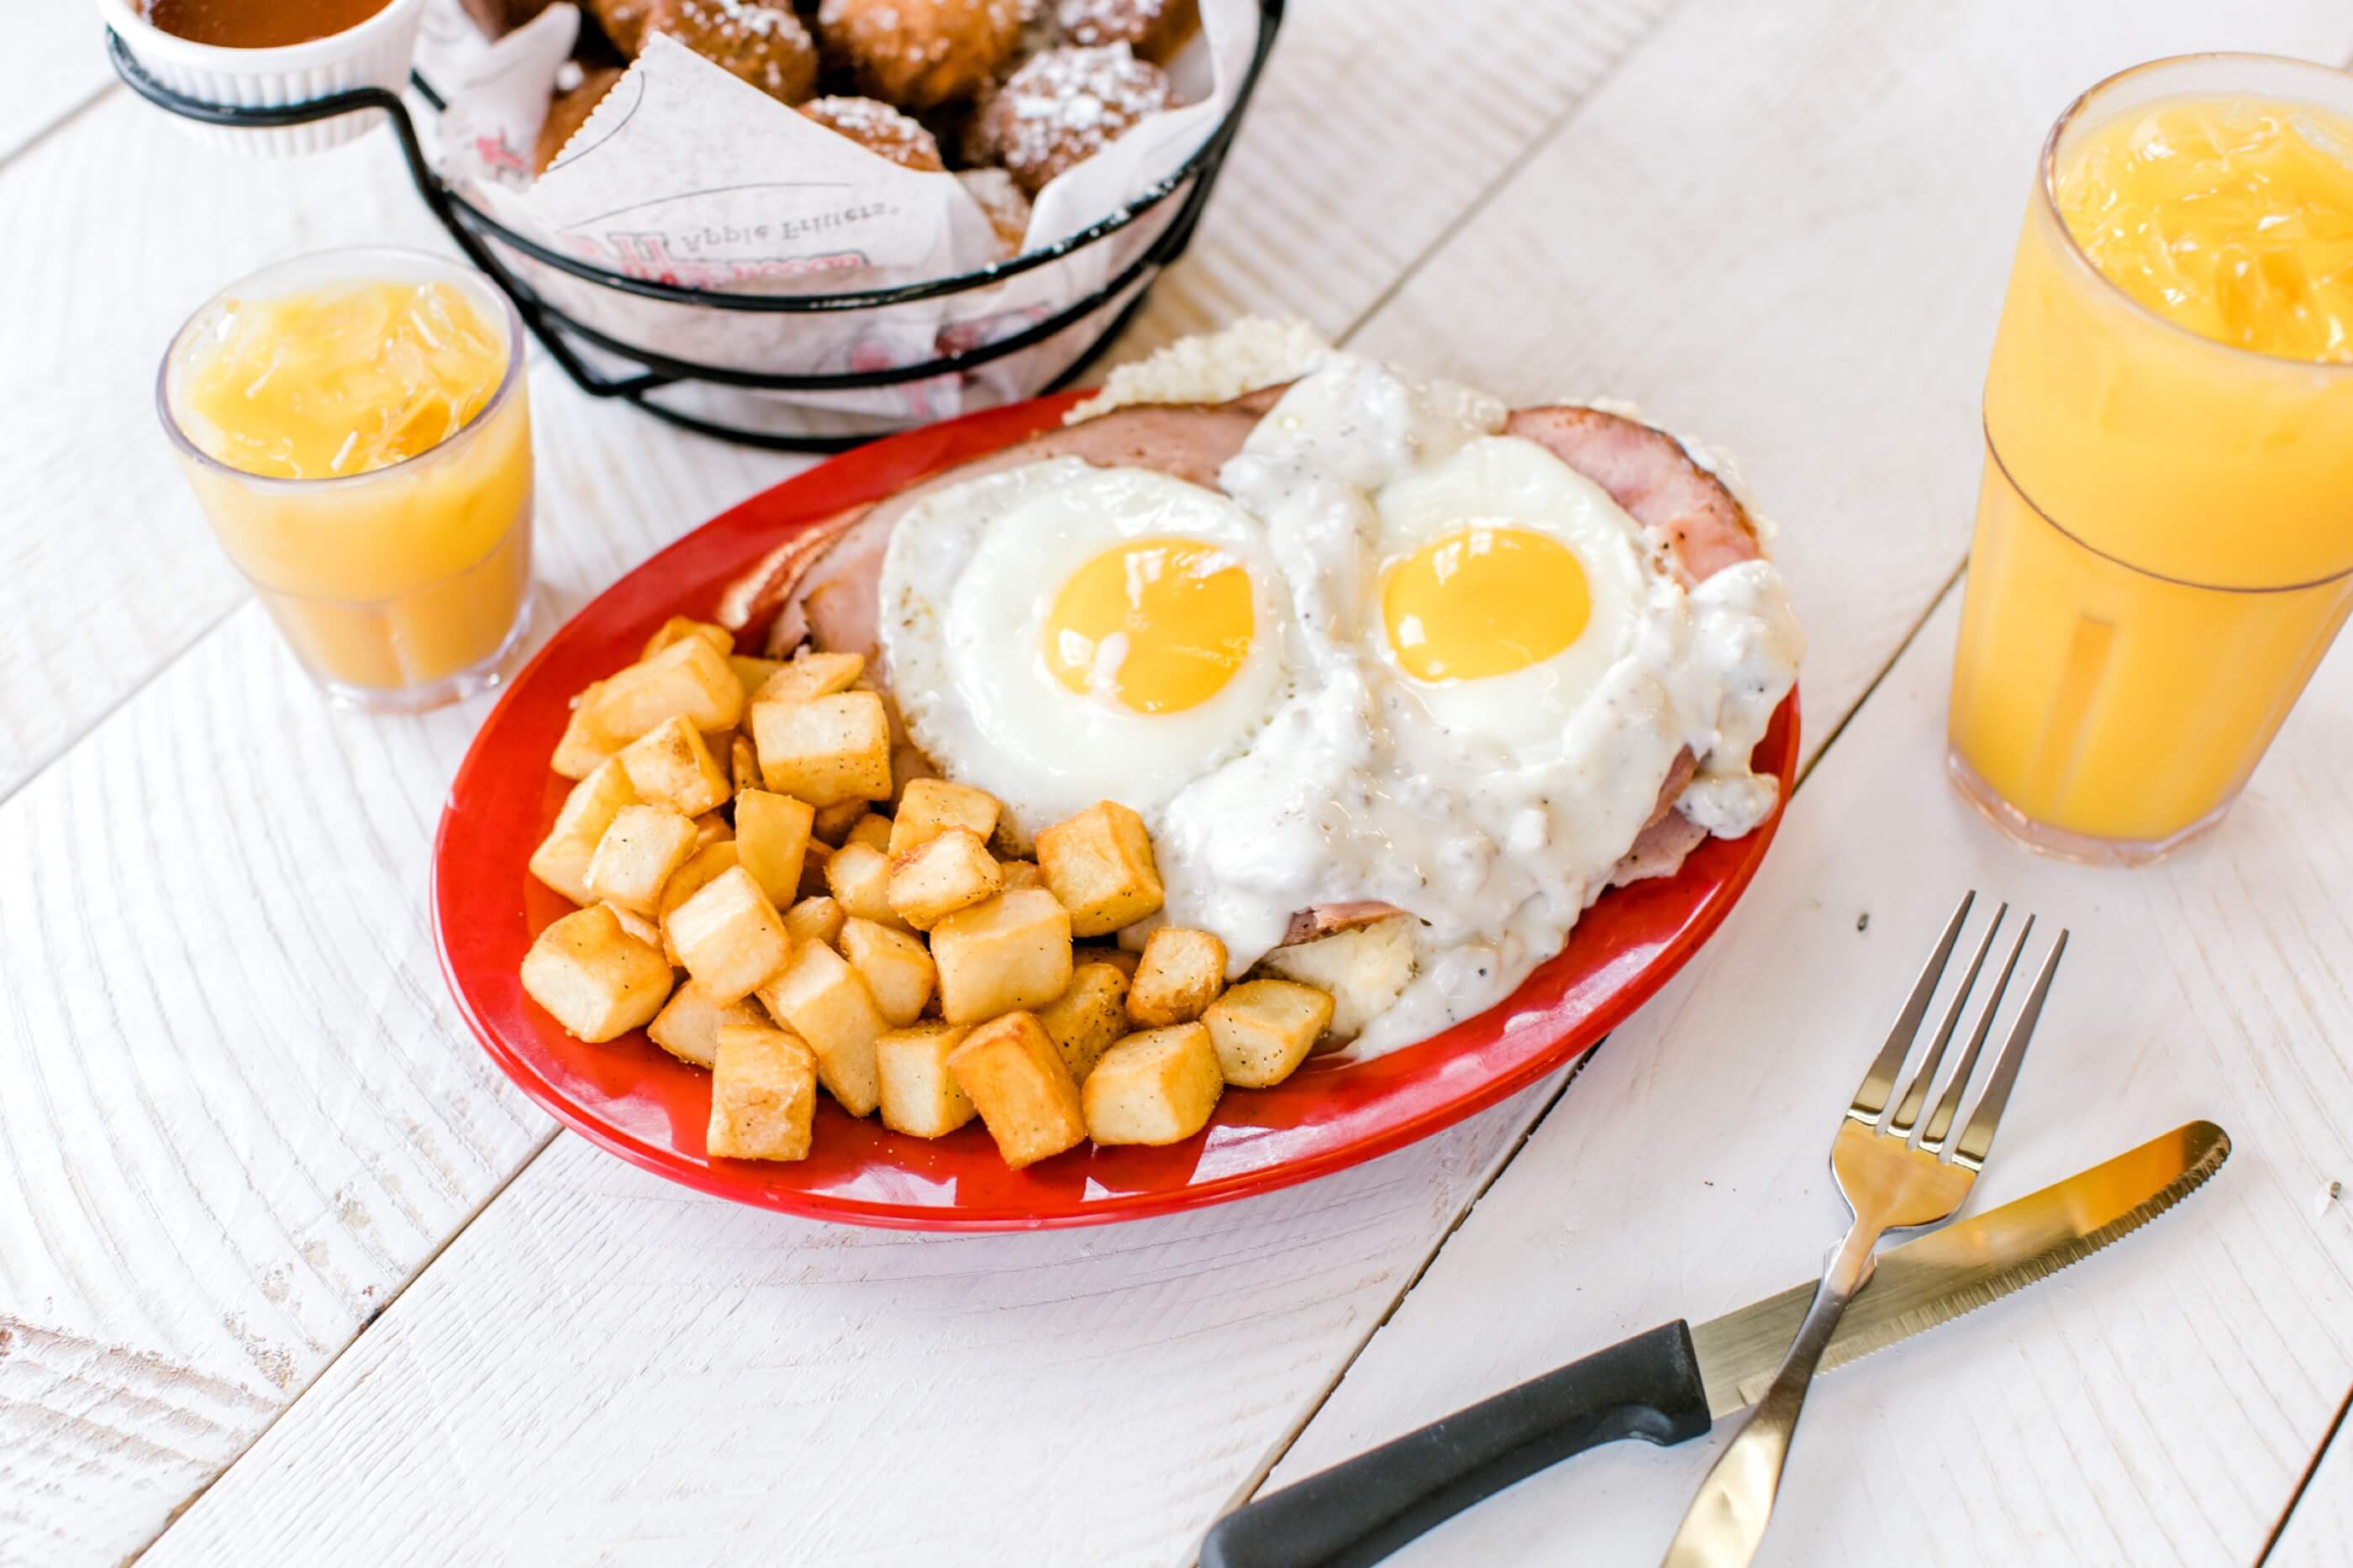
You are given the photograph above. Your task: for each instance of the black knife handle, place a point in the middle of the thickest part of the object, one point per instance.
(1359, 1512)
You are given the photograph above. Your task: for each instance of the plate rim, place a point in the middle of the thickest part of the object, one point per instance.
(1115, 1209)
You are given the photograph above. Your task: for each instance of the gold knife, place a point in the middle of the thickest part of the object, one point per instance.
(1669, 1385)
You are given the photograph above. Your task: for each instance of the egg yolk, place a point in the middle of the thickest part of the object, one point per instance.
(1483, 601)
(1159, 623)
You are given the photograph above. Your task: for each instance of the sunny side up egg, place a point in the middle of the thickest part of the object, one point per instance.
(1509, 585)
(1063, 634)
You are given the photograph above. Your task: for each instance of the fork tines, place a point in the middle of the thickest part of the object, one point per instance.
(1870, 1100)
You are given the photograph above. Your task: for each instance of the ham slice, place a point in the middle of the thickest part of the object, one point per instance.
(1648, 473)
(824, 584)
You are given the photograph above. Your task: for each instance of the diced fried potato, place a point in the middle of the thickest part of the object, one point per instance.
(670, 765)
(871, 830)
(771, 835)
(1157, 1087)
(920, 1096)
(1364, 970)
(689, 1024)
(826, 748)
(821, 998)
(563, 858)
(940, 876)
(752, 673)
(584, 748)
(680, 627)
(763, 1095)
(816, 919)
(688, 881)
(1179, 976)
(1263, 1029)
(635, 924)
(689, 680)
(929, 807)
(729, 936)
(834, 822)
(1085, 1020)
(858, 875)
(1003, 953)
(637, 855)
(711, 828)
(1099, 863)
(1103, 953)
(810, 674)
(743, 764)
(595, 978)
(1015, 1077)
(1022, 874)
(897, 969)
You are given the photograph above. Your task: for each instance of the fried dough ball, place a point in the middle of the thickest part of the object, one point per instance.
(1155, 29)
(919, 54)
(1065, 106)
(760, 44)
(880, 129)
(568, 114)
(624, 22)
(1006, 207)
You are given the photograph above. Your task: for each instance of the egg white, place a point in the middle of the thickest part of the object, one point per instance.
(968, 580)
(1503, 481)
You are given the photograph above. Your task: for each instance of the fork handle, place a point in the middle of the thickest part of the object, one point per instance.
(1726, 1522)
(1359, 1512)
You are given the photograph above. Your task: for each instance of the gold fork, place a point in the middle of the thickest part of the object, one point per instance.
(1890, 1182)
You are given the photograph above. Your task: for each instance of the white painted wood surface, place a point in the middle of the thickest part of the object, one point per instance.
(241, 1116)
(57, 66)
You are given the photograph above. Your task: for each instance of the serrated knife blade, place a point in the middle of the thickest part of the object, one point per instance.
(1963, 1265)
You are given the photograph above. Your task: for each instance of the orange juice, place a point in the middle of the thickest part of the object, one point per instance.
(2165, 532)
(356, 428)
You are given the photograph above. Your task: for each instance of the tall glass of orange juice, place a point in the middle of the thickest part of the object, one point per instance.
(2163, 543)
(357, 429)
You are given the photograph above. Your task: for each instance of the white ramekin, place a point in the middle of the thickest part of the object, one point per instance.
(374, 54)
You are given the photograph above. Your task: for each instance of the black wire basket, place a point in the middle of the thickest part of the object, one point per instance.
(603, 366)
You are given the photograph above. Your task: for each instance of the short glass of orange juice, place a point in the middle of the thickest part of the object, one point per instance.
(2163, 543)
(356, 424)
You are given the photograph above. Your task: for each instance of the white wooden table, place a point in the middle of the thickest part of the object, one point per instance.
(290, 1275)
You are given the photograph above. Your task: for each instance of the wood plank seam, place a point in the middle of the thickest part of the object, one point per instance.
(70, 113)
(366, 1323)
(1307, 1413)
(1961, 570)
(2304, 1481)
(1552, 131)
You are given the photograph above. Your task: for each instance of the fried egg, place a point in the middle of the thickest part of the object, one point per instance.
(1062, 634)
(1508, 585)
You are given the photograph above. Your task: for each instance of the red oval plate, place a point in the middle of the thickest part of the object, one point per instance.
(648, 1108)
